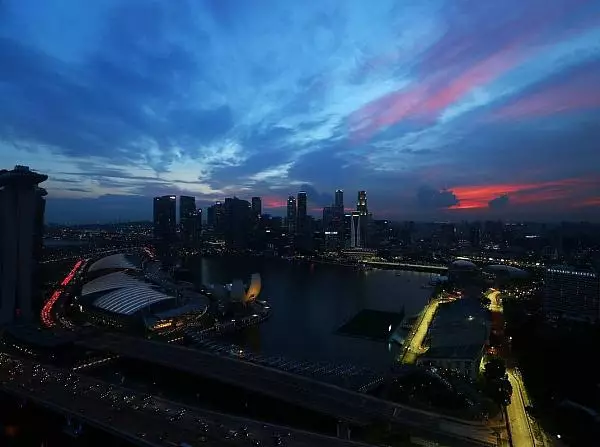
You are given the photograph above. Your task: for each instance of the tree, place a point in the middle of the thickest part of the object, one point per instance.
(497, 385)
(494, 369)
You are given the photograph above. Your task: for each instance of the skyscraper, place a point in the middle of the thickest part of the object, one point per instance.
(187, 218)
(219, 211)
(361, 204)
(475, 235)
(328, 213)
(301, 227)
(337, 217)
(165, 225)
(198, 226)
(291, 215)
(339, 199)
(256, 206)
(355, 230)
(210, 217)
(21, 228)
(237, 222)
(364, 217)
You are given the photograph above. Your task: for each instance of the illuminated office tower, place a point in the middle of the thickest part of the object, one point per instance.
(291, 215)
(361, 204)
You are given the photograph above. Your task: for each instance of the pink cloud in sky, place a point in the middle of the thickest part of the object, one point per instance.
(561, 99)
(422, 102)
(386, 110)
(477, 75)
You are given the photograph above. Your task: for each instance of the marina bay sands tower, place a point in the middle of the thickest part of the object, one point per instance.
(22, 207)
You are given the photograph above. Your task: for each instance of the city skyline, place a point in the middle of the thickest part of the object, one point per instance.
(439, 110)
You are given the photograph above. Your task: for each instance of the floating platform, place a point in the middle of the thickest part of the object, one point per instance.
(372, 324)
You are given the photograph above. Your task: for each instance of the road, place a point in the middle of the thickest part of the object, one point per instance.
(339, 403)
(414, 342)
(435, 268)
(46, 314)
(142, 418)
(518, 419)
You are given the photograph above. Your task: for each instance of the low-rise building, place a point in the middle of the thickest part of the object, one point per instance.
(465, 358)
(457, 337)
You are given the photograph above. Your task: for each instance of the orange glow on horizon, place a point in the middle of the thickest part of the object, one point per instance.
(593, 201)
(479, 196)
(274, 202)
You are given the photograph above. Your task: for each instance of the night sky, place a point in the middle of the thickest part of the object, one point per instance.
(458, 109)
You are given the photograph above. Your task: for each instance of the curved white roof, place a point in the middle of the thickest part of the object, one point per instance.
(509, 269)
(463, 263)
(118, 261)
(129, 300)
(116, 280)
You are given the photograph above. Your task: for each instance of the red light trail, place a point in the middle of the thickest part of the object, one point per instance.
(46, 314)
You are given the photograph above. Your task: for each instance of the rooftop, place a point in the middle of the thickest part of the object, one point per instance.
(463, 352)
(116, 261)
(21, 174)
(36, 336)
(507, 269)
(463, 264)
(459, 323)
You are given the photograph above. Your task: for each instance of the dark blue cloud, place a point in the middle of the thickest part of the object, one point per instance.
(428, 197)
(499, 202)
(213, 98)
